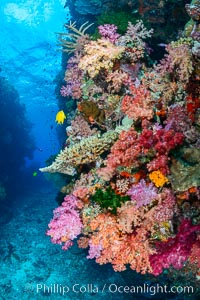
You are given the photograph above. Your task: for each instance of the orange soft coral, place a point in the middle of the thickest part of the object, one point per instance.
(158, 178)
(108, 245)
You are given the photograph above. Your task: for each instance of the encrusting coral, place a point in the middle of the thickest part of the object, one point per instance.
(189, 169)
(138, 151)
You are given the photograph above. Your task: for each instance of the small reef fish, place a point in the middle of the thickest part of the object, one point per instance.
(60, 117)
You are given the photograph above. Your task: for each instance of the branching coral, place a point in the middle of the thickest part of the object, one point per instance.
(85, 151)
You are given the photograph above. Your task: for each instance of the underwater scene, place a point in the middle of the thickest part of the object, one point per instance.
(100, 149)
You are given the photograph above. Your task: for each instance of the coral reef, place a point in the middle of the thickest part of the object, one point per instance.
(137, 156)
(166, 17)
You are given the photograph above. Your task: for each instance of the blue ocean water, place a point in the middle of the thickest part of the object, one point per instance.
(30, 59)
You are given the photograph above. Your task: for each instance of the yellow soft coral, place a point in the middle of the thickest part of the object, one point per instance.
(158, 178)
(100, 54)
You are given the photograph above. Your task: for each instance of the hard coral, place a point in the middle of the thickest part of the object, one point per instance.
(87, 150)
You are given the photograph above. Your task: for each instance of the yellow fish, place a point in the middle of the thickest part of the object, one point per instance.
(60, 117)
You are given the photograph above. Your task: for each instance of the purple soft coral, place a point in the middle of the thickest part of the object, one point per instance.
(142, 193)
(176, 250)
(108, 31)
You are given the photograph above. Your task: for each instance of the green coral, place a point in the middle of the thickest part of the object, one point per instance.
(120, 19)
(109, 199)
(86, 88)
(185, 171)
(182, 41)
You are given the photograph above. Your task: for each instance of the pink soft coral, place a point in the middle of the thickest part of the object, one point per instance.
(125, 151)
(142, 193)
(66, 224)
(73, 78)
(159, 163)
(166, 207)
(139, 104)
